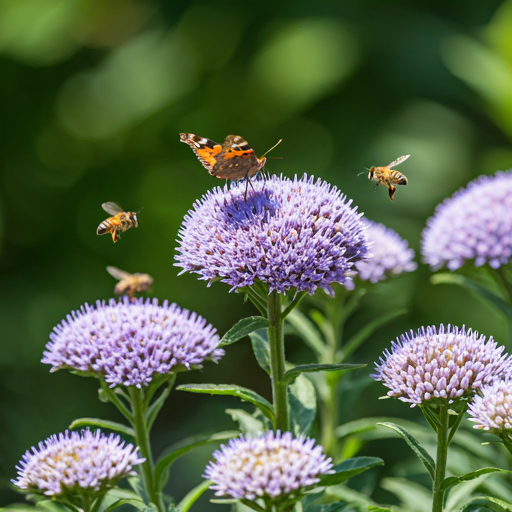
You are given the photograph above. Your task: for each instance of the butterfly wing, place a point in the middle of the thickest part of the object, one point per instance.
(112, 208)
(237, 160)
(205, 149)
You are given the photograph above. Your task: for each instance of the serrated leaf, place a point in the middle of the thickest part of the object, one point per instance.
(476, 288)
(349, 468)
(243, 328)
(184, 446)
(292, 374)
(97, 422)
(247, 395)
(494, 504)
(192, 496)
(360, 337)
(416, 446)
(261, 350)
(306, 330)
(302, 399)
(455, 480)
(247, 422)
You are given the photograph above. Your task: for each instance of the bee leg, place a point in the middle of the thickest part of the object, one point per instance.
(376, 187)
(391, 192)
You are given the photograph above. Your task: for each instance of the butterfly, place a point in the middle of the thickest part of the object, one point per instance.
(232, 160)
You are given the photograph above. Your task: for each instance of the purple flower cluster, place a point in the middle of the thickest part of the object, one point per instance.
(391, 254)
(445, 365)
(128, 342)
(491, 409)
(474, 224)
(73, 462)
(290, 234)
(272, 465)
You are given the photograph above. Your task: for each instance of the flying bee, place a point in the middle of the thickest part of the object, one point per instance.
(387, 176)
(130, 284)
(119, 222)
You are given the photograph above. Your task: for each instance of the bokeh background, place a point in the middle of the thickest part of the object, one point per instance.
(93, 95)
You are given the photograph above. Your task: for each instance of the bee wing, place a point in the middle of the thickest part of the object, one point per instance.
(117, 273)
(112, 208)
(398, 161)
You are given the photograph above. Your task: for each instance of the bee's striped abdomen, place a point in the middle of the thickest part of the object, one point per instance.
(105, 227)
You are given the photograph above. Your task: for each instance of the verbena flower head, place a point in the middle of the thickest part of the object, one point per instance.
(75, 463)
(445, 365)
(491, 408)
(290, 234)
(273, 465)
(391, 254)
(475, 224)
(130, 342)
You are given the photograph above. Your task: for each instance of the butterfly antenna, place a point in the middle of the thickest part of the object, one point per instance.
(274, 146)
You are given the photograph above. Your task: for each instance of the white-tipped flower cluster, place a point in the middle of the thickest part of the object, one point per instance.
(269, 466)
(391, 254)
(440, 364)
(491, 409)
(74, 463)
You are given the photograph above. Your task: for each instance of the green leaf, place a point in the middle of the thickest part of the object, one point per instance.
(120, 497)
(412, 495)
(379, 509)
(337, 506)
(261, 350)
(349, 468)
(455, 480)
(355, 342)
(291, 375)
(490, 503)
(192, 496)
(247, 395)
(178, 449)
(247, 422)
(475, 288)
(308, 332)
(97, 422)
(302, 399)
(154, 408)
(422, 454)
(243, 328)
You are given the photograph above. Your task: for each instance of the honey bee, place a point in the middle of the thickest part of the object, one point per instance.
(387, 176)
(121, 221)
(130, 284)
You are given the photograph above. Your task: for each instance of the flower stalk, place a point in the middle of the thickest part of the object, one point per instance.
(142, 440)
(441, 458)
(277, 360)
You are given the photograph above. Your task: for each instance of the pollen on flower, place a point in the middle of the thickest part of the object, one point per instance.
(297, 234)
(129, 342)
(271, 465)
(445, 364)
(73, 463)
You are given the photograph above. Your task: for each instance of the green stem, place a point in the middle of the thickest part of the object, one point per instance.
(442, 455)
(277, 360)
(142, 440)
(293, 304)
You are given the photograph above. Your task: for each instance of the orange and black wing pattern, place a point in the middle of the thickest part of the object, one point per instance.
(233, 160)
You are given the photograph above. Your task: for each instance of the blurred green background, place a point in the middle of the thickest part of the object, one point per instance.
(93, 95)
